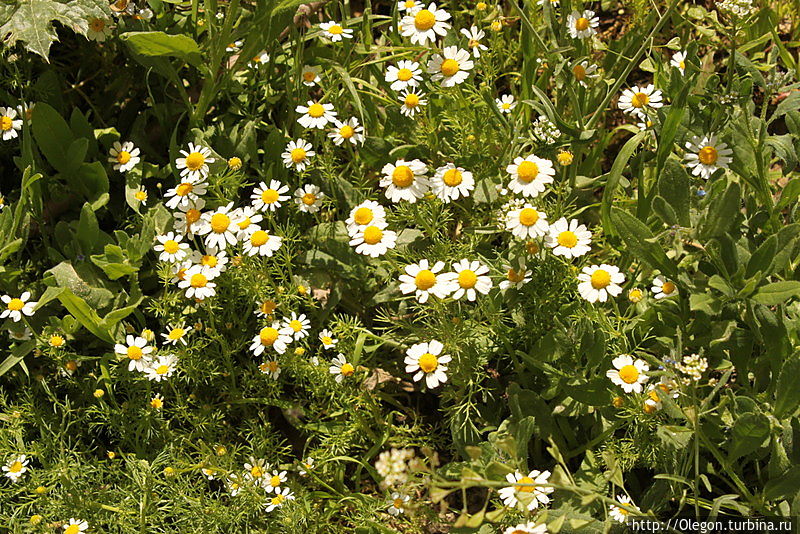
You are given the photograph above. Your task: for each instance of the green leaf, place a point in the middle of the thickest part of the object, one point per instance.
(777, 292)
(88, 229)
(723, 212)
(783, 486)
(17, 354)
(53, 136)
(641, 243)
(160, 44)
(748, 434)
(619, 165)
(787, 393)
(673, 186)
(85, 315)
(762, 257)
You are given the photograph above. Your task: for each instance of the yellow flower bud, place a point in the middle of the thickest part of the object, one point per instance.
(235, 163)
(98, 393)
(565, 158)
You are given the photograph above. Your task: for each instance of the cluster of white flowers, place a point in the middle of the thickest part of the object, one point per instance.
(138, 353)
(693, 366)
(739, 8)
(394, 466)
(545, 131)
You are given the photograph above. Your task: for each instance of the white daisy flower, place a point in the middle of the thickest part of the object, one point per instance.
(162, 368)
(568, 239)
(279, 499)
(220, 227)
(248, 221)
(310, 75)
(706, 155)
(638, 100)
(269, 197)
(16, 467)
(299, 325)
(505, 103)
(99, 29)
(176, 334)
(234, 47)
(628, 374)
(527, 222)
(262, 243)
(350, 130)
(406, 74)
(583, 71)
(451, 183)
(620, 513)
(582, 25)
(364, 214)
(411, 100)
(271, 368)
(209, 473)
(255, 470)
(275, 481)
(373, 240)
(9, 124)
(422, 280)
(262, 58)
(179, 270)
(516, 277)
(234, 484)
(426, 360)
(530, 527)
(197, 282)
(405, 180)
(452, 66)
(398, 503)
(194, 163)
(475, 35)
(316, 115)
(335, 32)
(679, 61)
(663, 288)
(327, 339)
(526, 491)
(124, 156)
(188, 219)
(216, 260)
(598, 282)
(341, 368)
(306, 466)
(297, 154)
(308, 198)
(171, 247)
(275, 337)
(553, 3)
(186, 194)
(529, 175)
(17, 307)
(266, 308)
(409, 6)
(423, 25)
(468, 278)
(75, 526)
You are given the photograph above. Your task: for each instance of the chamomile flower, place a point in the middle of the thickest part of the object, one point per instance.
(583, 71)
(75, 526)
(373, 240)
(451, 183)
(234, 484)
(216, 260)
(349, 130)
(99, 29)
(316, 115)
(426, 360)
(136, 350)
(706, 155)
(248, 220)
(335, 32)
(262, 58)
(630, 375)
(234, 47)
(162, 368)
(411, 101)
(663, 288)
(406, 74)
(17, 307)
(422, 280)
(141, 195)
(171, 247)
(598, 282)
(279, 499)
(327, 339)
(9, 123)
(621, 513)
(186, 194)
(220, 227)
(124, 156)
(679, 61)
(409, 6)
(568, 238)
(638, 100)
(157, 402)
(468, 279)
(527, 222)
(273, 482)
(197, 282)
(516, 277)
(398, 503)
(188, 218)
(306, 466)
(308, 198)
(529, 175)
(16, 467)
(57, 341)
(452, 66)
(20, 335)
(275, 337)
(266, 308)
(255, 470)
(194, 163)
(262, 243)
(341, 368)
(582, 25)
(297, 155)
(526, 491)
(475, 35)
(423, 25)
(271, 368)
(269, 197)
(505, 103)
(365, 214)
(310, 75)
(179, 270)
(405, 180)
(176, 334)
(298, 324)
(530, 527)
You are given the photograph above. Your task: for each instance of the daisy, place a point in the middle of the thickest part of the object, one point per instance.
(662, 288)
(529, 175)
(209, 472)
(679, 61)
(405, 180)
(186, 194)
(234, 47)
(526, 490)
(16, 467)
(364, 214)
(248, 221)
(297, 154)
(157, 402)
(451, 182)
(274, 482)
(269, 197)
(568, 239)
(194, 163)
(162, 368)
(266, 308)
(262, 243)
(628, 374)
(341, 368)
(638, 100)
(75, 526)
(214, 259)
(598, 282)
(706, 155)
(187, 219)
(334, 31)
(306, 466)
(409, 6)
(530, 527)
(373, 240)
(475, 35)
(176, 334)
(276, 337)
(255, 470)
(262, 58)
(197, 282)
(136, 350)
(347, 131)
(278, 500)
(406, 74)
(124, 156)
(99, 29)
(20, 335)
(17, 307)
(308, 198)
(398, 503)
(516, 277)
(171, 247)
(584, 71)
(234, 484)
(505, 103)
(411, 101)
(327, 339)
(9, 124)
(425, 24)
(635, 295)
(426, 360)
(271, 368)
(220, 227)
(469, 278)
(57, 341)
(451, 66)
(620, 513)
(299, 325)
(310, 75)
(141, 195)
(582, 25)
(527, 222)
(316, 115)
(421, 279)
(179, 270)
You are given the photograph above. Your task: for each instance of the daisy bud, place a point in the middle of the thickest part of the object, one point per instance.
(618, 402)
(169, 471)
(471, 138)
(40, 490)
(235, 163)
(221, 450)
(532, 247)
(635, 295)
(565, 158)
(111, 455)
(497, 25)
(148, 334)
(98, 393)
(480, 6)
(301, 289)
(299, 351)
(71, 365)
(36, 519)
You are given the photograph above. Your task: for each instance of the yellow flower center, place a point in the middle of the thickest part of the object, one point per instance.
(268, 336)
(192, 216)
(450, 67)
(272, 366)
(452, 177)
(428, 362)
(235, 163)
(668, 287)
(467, 279)
(397, 503)
(267, 307)
(409, 4)
(346, 131)
(528, 216)
(198, 280)
(297, 155)
(184, 189)
(404, 75)
(600, 279)
(220, 222)
(515, 276)
(6, 123)
(335, 29)
(16, 467)
(309, 198)
(412, 100)
(245, 223)
(71, 366)
(275, 481)
(682, 65)
(506, 105)
(347, 369)
(640, 100)
(309, 75)
(171, 246)
(635, 295)
(296, 325)
(278, 499)
(15, 305)
(316, 110)
(424, 20)
(526, 485)
(629, 374)
(157, 403)
(195, 160)
(208, 260)
(363, 216)
(327, 340)
(372, 235)
(56, 341)
(527, 171)
(580, 72)
(259, 238)
(473, 43)
(270, 196)
(176, 333)
(256, 471)
(141, 196)
(134, 353)
(402, 176)
(123, 157)
(425, 279)
(72, 529)
(708, 155)
(582, 24)
(567, 239)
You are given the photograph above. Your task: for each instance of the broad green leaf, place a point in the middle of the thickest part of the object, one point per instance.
(783, 486)
(159, 44)
(641, 243)
(53, 136)
(673, 187)
(748, 433)
(723, 212)
(85, 315)
(619, 165)
(17, 354)
(787, 394)
(777, 292)
(88, 229)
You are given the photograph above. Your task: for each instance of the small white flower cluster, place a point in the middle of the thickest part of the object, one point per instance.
(394, 466)
(693, 366)
(545, 131)
(739, 8)
(138, 353)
